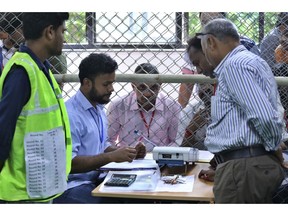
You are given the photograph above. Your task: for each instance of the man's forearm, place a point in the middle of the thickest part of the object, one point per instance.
(82, 164)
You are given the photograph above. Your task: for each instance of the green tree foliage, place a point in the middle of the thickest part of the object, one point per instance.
(270, 20)
(76, 28)
(247, 23)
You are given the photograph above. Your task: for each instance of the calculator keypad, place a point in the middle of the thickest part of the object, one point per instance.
(121, 180)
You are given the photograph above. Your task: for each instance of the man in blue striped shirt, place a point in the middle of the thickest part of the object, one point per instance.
(246, 129)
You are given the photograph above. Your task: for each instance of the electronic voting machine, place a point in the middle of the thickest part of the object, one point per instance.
(175, 156)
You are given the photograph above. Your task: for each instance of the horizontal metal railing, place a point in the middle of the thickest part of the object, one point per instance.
(161, 78)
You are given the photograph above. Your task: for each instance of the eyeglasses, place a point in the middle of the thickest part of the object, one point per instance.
(199, 34)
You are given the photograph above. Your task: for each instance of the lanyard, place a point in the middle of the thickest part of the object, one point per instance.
(215, 87)
(144, 120)
(99, 124)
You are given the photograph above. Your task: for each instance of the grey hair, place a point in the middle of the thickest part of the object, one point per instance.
(221, 29)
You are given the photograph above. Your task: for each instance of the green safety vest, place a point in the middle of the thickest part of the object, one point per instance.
(41, 150)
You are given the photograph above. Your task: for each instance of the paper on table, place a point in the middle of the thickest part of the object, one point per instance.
(146, 180)
(149, 156)
(138, 164)
(205, 156)
(185, 187)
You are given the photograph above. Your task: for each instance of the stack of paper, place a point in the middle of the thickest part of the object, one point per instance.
(141, 164)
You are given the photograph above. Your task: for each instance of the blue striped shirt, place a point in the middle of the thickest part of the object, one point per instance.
(244, 108)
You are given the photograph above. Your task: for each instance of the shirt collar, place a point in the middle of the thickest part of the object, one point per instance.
(220, 66)
(45, 66)
(84, 102)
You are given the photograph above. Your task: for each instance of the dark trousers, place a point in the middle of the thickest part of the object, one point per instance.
(82, 194)
(248, 180)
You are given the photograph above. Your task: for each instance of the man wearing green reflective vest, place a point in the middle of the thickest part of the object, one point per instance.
(36, 148)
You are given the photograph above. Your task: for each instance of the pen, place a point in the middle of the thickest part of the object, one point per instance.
(143, 137)
(174, 181)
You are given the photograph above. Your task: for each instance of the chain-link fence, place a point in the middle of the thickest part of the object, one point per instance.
(134, 38)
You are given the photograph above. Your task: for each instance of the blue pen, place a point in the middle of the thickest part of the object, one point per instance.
(136, 132)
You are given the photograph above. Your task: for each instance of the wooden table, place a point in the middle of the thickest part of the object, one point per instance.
(202, 190)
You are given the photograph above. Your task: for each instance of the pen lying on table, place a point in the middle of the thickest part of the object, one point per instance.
(172, 180)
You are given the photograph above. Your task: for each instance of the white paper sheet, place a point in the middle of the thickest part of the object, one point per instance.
(134, 165)
(205, 156)
(146, 180)
(285, 155)
(149, 180)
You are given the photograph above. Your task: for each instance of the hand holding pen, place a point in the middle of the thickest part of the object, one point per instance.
(122, 154)
(149, 145)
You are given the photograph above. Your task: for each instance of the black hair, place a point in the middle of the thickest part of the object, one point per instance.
(194, 42)
(10, 21)
(96, 64)
(35, 23)
(146, 68)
